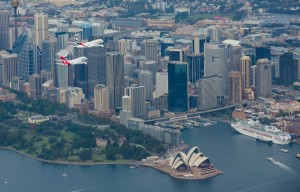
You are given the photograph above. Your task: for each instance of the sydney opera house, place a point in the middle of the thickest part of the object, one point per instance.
(193, 165)
(193, 159)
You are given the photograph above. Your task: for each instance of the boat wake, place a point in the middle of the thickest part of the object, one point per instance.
(285, 167)
(81, 190)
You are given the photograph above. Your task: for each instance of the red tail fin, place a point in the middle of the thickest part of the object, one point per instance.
(64, 61)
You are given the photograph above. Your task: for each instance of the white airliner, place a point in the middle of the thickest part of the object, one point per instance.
(80, 60)
(94, 43)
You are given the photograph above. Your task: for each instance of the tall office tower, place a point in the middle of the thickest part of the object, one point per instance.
(96, 67)
(62, 27)
(288, 68)
(35, 85)
(262, 53)
(125, 113)
(101, 97)
(198, 43)
(137, 96)
(177, 54)
(209, 92)
(79, 73)
(9, 67)
(151, 50)
(235, 86)
(126, 103)
(152, 67)
(123, 46)
(195, 66)
(115, 78)
(236, 54)
(146, 79)
(253, 76)
(26, 56)
(41, 30)
(161, 84)
(263, 78)
(12, 37)
(245, 71)
(97, 29)
(164, 45)
(214, 33)
(86, 30)
(49, 49)
(217, 60)
(129, 69)
(178, 100)
(4, 28)
(1, 75)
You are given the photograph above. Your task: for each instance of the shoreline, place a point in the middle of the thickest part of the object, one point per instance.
(67, 162)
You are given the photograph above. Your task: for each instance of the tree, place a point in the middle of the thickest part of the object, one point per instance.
(85, 155)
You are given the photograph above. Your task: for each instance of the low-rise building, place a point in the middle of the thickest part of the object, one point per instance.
(37, 119)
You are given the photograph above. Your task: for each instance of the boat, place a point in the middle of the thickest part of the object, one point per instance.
(298, 155)
(5, 182)
(271, 159)
(64, 174)
(284, 150)
(132, 167)
(263, 140)
(266, 133)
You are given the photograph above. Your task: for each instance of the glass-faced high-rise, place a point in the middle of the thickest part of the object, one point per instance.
(178, 86)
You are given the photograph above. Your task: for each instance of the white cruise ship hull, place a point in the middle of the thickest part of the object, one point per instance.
(260, 135)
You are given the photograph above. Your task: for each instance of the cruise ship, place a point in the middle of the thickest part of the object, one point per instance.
(266, 133)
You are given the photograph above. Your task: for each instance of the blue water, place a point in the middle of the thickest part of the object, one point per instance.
(242, 159)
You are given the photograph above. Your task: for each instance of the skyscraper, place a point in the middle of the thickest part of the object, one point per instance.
(214, 33)
(178, 86)
(26, 56)
(9, 67)
(123, 46)
(146, 79)
(49, 49)
(195, 67)
(96, 67)
(125, 113)
(288, 68)
(245, 71)
(152, 67)
(235, 87)
(4, 28)
(263, 78)
(164, 45)
(198, 43)
(115, 78)
(40, 28)
(137, 96)
(101, 97)
(262, 53)
(162, 84)
(217, 61)
(177, 54)
(35, 85)
(151, 50)
(235, 58)
(209, 92)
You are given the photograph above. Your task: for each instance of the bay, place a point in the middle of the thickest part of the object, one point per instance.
(241, 158)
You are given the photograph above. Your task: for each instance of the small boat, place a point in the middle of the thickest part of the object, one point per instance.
(298, 155)
(132, 167)
(284, 150)
(5, 182)
(64, 174)
(271, 159)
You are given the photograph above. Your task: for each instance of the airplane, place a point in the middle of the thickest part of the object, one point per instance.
(80, 60)
(94, 43)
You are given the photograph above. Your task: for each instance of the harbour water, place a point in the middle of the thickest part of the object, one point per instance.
(242, 159)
